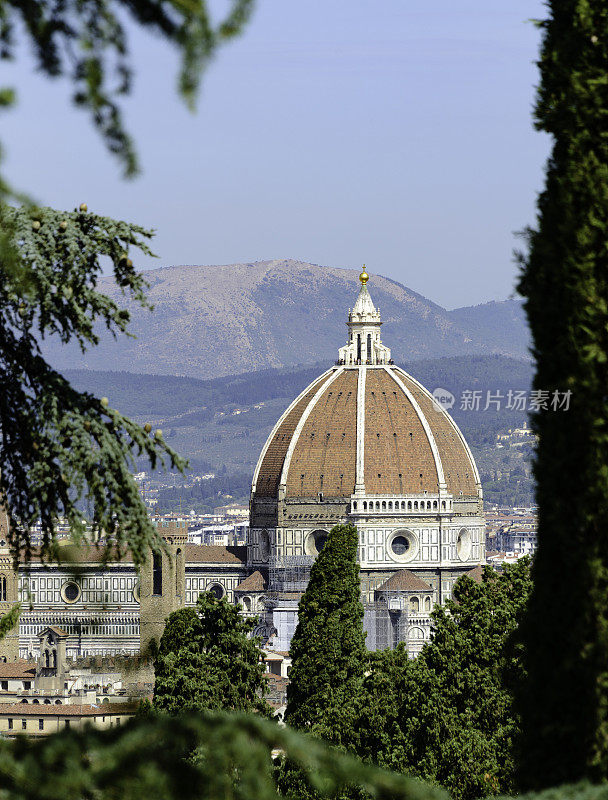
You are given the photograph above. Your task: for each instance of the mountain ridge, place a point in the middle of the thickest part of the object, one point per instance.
(213, 321)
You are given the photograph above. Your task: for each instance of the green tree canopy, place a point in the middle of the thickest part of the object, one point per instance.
(328, 648)
(207, 659)
(447, 716)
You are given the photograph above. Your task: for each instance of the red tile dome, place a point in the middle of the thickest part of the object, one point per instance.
(406, 444)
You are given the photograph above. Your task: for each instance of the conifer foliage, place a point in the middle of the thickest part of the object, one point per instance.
(564, 705)
(207, 659)
(60, 449)
(328, 648)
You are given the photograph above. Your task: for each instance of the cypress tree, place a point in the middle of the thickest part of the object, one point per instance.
(564, 704)
(328, 648)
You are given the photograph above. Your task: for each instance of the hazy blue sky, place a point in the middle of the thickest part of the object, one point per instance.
(395, 132)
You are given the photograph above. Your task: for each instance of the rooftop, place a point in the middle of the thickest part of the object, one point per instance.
(65, 710)
(252, 583)
(405, 581)
(21, 668)
(215, 554)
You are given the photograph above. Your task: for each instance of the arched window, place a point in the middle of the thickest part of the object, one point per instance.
(427, 604)
(384, 505)
(246, 601)
(355, 505)
(369, 347)
(365, 505)
(409, 505)
(415, 505)
(443, 505)
(2, 587)
(390, 505)
(435, 504)
(157, 574)
(415, 605)
(358, 347)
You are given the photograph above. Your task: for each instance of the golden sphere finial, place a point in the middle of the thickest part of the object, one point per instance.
(364, 277)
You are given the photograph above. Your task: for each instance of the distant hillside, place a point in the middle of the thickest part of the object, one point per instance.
(496, 323)
(223, 423)
(221, 320)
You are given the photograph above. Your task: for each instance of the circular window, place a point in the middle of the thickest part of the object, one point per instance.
(70, 592)
(315, 542)
(136, 594)
(264, 545)
(400, 545)
(217, 590)
(463, 545)
(403, 546)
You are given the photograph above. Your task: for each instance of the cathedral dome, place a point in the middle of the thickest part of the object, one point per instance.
(365, 430)
(365, 427)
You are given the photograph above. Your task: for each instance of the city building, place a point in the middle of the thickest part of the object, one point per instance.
(42, 720)
(104, 606)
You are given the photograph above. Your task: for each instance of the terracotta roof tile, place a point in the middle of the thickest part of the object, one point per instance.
(83, 554)
(325, 454)
(215, 554)
(57, 631)
(253, 583)
(272, 463)
(475, 574)
(405, 581)
(277, 680)
(399, 457)
(90, 554)
(458, 469)
(18, 669)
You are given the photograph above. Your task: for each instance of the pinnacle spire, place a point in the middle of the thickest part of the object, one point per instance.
(364, 343)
